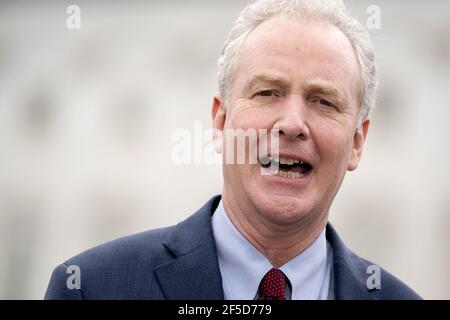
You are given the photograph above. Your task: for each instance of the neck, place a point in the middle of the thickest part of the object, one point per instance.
(278, 242)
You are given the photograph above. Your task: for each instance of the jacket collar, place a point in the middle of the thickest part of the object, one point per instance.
(195, 273)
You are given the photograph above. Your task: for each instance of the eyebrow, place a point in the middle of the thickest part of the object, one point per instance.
(326, 88)
(265, 78)
(318, 86)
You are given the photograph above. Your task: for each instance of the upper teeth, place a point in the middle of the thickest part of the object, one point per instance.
(287, 161)
(281, 160)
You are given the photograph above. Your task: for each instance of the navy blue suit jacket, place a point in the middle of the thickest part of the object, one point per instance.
(180, 262)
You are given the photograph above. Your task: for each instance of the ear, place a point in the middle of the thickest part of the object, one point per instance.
(218, 116)
(358, 145)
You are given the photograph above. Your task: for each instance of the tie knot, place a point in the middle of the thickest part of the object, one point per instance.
(273, 286)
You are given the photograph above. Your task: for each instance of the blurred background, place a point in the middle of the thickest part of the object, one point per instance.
(87, 117)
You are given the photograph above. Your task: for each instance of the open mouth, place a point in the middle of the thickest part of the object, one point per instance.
(285, 167)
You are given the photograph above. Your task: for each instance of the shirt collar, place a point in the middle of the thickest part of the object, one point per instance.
(242, 266)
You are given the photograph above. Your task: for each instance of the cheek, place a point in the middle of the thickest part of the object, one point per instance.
(251, 123)
(240, 119)
(334, 146)
(247, 116)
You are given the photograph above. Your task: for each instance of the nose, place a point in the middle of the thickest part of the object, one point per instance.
(291, 121)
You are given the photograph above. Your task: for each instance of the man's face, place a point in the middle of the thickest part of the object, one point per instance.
(303, 79)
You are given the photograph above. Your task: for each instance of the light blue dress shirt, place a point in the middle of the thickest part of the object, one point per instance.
(242, 266)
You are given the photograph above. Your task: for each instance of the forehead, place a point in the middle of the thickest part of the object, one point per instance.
(302, 50)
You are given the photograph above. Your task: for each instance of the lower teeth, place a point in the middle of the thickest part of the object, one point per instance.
(290, 175)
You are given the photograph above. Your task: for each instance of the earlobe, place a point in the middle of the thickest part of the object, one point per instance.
(358, 145)
(218, 116)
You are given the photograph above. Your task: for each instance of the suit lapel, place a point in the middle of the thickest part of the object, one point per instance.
(349, 272)
(194, 274)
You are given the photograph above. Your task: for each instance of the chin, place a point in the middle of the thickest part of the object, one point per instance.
(282, 209)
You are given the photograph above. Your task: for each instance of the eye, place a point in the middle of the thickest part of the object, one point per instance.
(325, 103)
(265, 93)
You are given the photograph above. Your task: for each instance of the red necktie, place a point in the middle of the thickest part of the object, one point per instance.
(273, 286)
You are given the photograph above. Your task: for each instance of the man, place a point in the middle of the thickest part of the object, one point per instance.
(302, 69)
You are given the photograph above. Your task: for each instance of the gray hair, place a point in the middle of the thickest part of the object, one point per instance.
(331, 11)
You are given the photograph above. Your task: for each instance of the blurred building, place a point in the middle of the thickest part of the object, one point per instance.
(86, 118)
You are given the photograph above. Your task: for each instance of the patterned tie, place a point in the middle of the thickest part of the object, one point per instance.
(273, 286)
